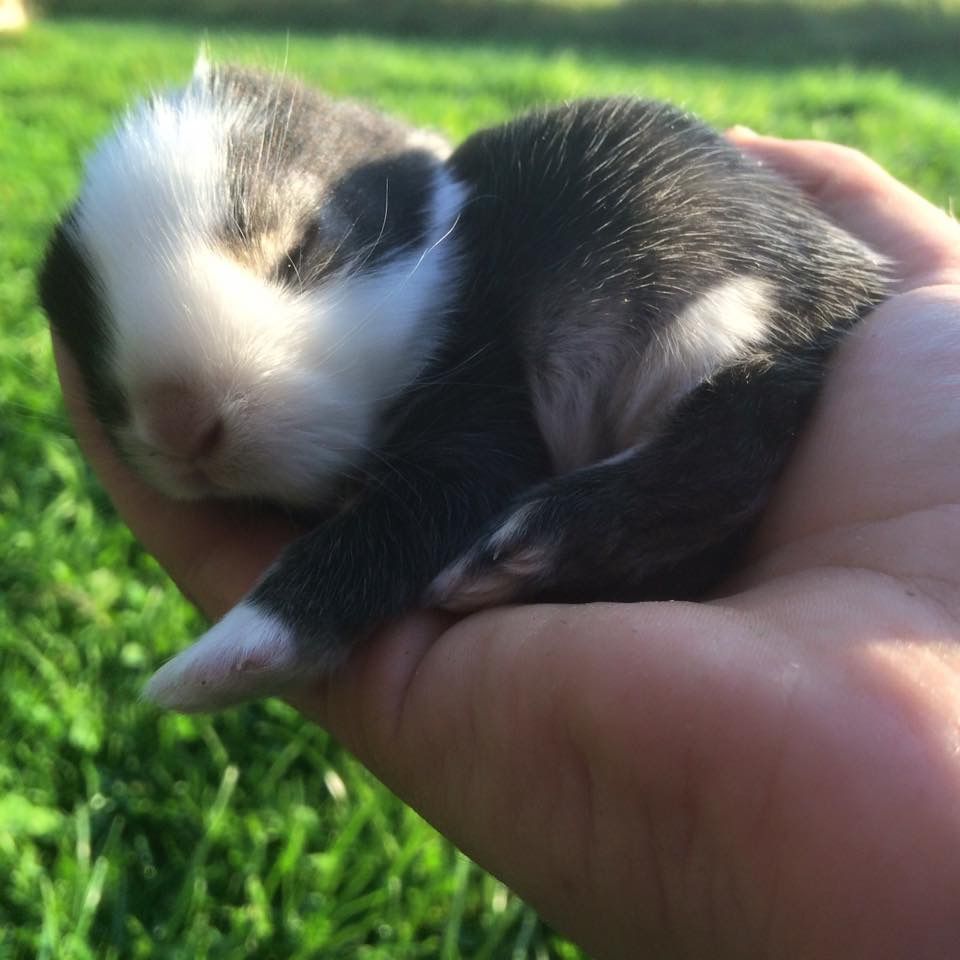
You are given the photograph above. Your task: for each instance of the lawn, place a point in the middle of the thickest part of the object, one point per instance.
(124, 833)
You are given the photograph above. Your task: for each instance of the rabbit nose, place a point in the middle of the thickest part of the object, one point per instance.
(181, 422)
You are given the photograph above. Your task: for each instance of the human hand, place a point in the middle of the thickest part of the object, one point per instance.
(774, 773)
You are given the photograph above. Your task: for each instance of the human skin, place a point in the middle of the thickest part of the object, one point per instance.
(772, 773)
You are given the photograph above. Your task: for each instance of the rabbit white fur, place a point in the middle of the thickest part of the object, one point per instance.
(565, 361)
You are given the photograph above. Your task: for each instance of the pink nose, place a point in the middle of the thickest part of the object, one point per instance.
(181, 422)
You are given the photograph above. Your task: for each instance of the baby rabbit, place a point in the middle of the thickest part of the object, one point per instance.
(565, 361)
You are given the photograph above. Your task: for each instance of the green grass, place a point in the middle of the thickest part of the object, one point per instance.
(128, 834)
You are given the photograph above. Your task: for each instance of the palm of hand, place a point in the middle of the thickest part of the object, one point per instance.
(772, 773)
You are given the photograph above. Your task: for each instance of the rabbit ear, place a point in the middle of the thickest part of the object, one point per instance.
(249, 654)
(202, 66)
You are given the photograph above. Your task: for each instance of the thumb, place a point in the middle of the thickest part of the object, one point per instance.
(662, 779)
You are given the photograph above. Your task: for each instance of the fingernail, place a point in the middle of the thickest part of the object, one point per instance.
(739, 130)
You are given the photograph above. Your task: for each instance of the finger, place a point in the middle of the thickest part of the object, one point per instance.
(361, 700)
(596, 757)
(885, 437)
(213, 551)
(515, 732)
(859, 195)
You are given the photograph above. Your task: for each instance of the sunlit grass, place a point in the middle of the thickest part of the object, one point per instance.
(128, 834)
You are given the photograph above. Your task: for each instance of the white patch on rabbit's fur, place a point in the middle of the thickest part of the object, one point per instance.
(461, 591)
(495, 569)
(730, 321)
(432, 142)
(591, 379)
(248, 654)
(723, 323)
(298, 378)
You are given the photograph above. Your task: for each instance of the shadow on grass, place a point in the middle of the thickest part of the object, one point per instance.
(920, 40)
